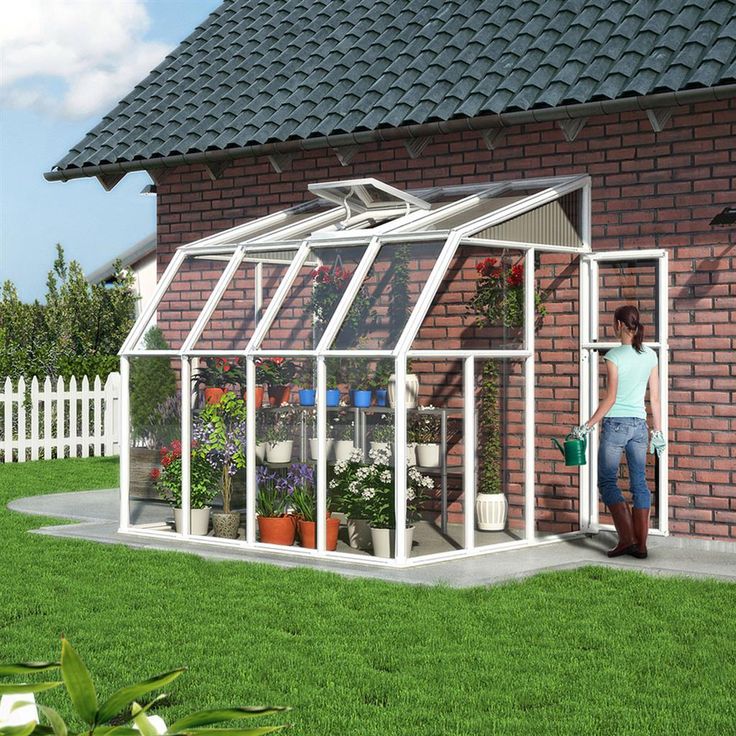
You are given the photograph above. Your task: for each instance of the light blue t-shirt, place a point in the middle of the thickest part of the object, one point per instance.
(634, 370)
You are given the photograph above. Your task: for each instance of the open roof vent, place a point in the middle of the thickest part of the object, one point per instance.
(363, 195)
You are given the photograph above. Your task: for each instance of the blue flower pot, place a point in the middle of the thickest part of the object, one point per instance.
(307, 396)
(333, 397)
(381, 397)
(362, 399)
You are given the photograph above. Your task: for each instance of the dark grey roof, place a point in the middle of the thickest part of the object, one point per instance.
(259, 71)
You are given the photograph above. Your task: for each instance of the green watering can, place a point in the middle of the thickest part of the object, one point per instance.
(574, 450)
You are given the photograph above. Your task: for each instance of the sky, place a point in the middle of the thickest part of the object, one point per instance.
(63, 65)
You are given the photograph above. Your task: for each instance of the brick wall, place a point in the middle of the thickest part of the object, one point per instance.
(649, 190)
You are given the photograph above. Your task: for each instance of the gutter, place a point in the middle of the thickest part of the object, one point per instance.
(484, 122)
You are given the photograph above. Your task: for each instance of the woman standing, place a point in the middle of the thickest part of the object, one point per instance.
(631, 367)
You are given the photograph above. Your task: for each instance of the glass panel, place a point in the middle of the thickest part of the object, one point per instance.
(389, 292)
(232, 322)
(313, 298)
(479, 305)
(557, 393)
(435, 503)
(183, 301)
(499, 407)
(627, 282)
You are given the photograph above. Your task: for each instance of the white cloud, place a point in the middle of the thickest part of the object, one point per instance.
(73, 58)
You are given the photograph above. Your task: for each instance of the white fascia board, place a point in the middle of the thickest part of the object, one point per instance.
(625, 255)
(516, 245)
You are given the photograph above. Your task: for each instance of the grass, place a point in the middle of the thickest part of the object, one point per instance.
(594, 650)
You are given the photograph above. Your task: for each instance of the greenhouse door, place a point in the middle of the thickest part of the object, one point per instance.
(608, 280)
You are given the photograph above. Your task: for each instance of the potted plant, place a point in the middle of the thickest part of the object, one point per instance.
(220, 433)
(203, 479)
(498, 302)
(275, 524)
(214, 378)
(300, 483)
(279, 444)
(346, 485)
(333, 371)
(359, 381)
(368, 488)
(379, 381)
(382, 434)
(238, 376)
(424, 430)
(277, 374)
(342, 429)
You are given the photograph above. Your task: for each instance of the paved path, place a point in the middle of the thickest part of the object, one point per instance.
(97, 513)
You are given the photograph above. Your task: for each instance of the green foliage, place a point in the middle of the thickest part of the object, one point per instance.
(489, 422)
(78, 331)
(203, 477)
(152, 382)
(120, 711)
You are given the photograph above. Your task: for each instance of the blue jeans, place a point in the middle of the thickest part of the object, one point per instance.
(620, 434)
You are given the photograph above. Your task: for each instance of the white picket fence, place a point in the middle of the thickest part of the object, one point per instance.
(46, 422)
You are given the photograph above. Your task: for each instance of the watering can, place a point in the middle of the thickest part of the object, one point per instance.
(574, 450)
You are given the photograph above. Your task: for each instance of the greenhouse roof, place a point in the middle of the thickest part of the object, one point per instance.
(250, 290)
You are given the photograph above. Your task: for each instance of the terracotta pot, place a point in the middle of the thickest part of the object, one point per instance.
(259, 396)
(277, 529)
(308, 533)
(278, 395)
(213, 395)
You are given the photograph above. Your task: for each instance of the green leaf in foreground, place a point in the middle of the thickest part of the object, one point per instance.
(78, 683)
(218, 715)
(56, 721)
(25, 730)
(24, 668)
(126, 695)
(27, 687)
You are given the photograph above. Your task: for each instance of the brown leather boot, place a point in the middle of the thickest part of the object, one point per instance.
(641, 529)
(625, 529)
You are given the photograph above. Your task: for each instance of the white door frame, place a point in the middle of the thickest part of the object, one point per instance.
(589, 375)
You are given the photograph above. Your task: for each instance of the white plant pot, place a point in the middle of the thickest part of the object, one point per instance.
(384, 541)
(359, 534)
(343, 448)
(412, 390)
(279, 452)
(199, 521)
(329, 442)
(490, 511)
(260, 452)
(385, 447)
(428, 455)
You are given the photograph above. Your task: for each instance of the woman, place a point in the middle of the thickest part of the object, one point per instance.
(631, 366)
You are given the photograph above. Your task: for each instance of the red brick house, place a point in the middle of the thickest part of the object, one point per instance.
(262, 100)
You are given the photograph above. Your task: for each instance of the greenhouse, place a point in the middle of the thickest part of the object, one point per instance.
(373, 376)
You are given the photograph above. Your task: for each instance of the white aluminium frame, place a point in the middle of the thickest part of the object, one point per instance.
(590, 345)
(411, 227)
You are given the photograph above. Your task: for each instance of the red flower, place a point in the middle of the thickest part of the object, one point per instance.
(166, 460)
(485, 267)
(155, 474)
(516, 277)
(278, 361)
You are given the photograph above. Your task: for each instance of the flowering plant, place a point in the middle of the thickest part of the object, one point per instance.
(367, 490)
(273, 496)
(499, 294)
(168, 478)
(281, 428)
(328, 284)
(220, 433)
(424, 427)
(275, 371)
(299, 484)
(215, 373)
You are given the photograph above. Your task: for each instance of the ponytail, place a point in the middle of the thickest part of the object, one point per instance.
(628, 315)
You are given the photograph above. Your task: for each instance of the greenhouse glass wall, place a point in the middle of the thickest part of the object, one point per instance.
(356, 378)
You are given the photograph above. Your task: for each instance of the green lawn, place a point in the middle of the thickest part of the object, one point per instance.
(579, 652)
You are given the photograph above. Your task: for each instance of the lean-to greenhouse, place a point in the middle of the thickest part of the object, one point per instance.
(373, 369)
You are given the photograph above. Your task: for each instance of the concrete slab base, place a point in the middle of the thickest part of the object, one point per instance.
(97, 513)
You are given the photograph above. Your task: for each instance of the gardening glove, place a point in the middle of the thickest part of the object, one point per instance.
(657, 443)
(582, 431)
